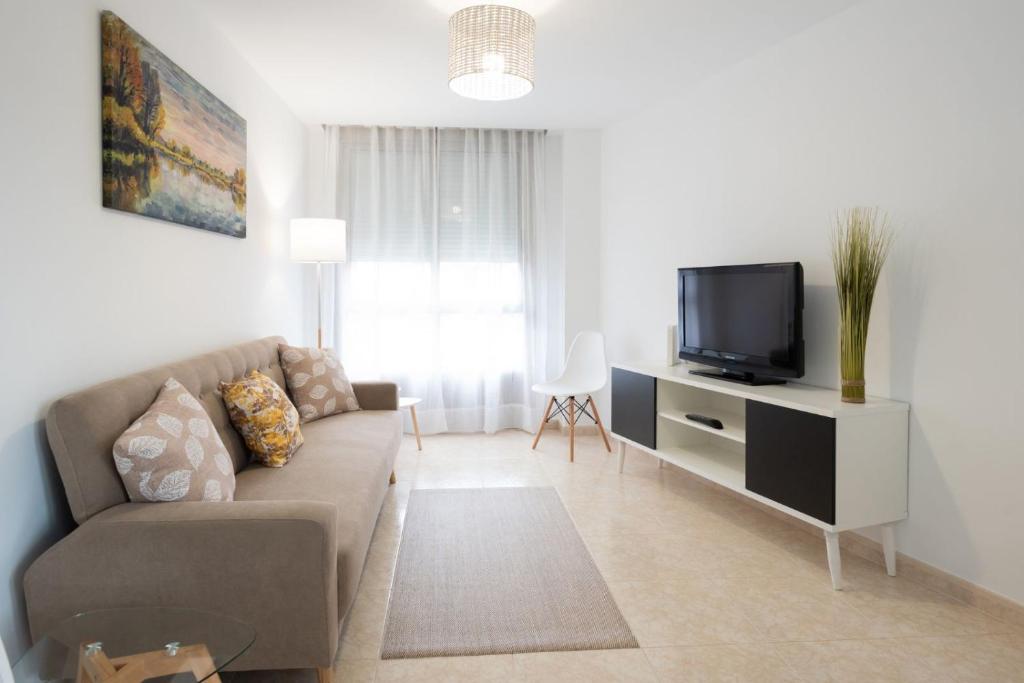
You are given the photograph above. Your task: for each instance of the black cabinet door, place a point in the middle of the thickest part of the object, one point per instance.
(791, 459)
(633, 406)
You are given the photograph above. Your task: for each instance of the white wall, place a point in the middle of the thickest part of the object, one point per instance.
(554, 223)
(581, 181)
(88, 294)
(912, 105)
(574, 205)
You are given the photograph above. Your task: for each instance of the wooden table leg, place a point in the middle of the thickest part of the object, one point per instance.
(202, 666)
(416, 427)
(96, 667)
(94, 663)
(81, 675)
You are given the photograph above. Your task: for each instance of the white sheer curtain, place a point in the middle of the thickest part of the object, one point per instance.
(449, 287)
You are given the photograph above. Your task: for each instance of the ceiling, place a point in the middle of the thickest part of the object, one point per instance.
(597, 61)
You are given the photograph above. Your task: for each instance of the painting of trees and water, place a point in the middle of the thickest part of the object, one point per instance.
(171, 150)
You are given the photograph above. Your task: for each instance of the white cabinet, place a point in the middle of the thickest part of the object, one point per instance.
(793, 447)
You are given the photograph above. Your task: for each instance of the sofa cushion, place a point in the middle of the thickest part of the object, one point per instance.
(317, 381)
(346, 460)
(173, 452)
(263, 415)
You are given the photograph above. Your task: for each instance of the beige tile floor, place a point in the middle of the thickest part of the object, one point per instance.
(714, 589)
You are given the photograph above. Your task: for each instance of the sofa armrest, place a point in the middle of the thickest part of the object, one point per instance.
(271, 564)
(376, 395)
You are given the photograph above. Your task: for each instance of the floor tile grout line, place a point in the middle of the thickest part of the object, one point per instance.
(563, 481)
(811, 534)
(650, 665)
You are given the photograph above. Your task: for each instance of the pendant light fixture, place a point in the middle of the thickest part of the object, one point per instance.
(490, 52)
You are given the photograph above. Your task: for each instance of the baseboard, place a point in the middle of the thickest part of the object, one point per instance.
(992, 604)
(915, 570)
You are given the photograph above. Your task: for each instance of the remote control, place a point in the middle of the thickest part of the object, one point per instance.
(704, 420)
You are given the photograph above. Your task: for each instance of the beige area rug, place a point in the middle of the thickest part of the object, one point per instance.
(496, 571)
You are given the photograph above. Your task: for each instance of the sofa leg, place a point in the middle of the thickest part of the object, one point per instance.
(324, 675)
(392, 480)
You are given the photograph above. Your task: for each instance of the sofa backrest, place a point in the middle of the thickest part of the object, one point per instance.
(82, 427)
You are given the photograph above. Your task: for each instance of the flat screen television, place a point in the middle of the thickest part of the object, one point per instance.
(745, 320)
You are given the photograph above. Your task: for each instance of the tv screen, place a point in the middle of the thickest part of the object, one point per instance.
(745, 319)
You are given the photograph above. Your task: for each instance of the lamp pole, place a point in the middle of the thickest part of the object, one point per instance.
(319, 305)
(319, 241)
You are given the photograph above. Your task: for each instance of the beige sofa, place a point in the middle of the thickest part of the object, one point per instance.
(285, 556)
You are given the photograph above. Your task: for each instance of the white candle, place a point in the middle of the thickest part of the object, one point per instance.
(673, 346)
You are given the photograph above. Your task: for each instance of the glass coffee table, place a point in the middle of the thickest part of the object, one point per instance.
(134, 644)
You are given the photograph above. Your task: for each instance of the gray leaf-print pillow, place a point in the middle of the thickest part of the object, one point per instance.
(173, 453)
(317, 382)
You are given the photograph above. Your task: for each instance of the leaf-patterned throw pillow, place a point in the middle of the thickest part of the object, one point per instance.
(317, 381)
(174, 453)
(263, 415)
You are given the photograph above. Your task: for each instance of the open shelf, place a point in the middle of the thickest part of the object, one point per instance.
(800, 449)
(724, 467)
(733, 424)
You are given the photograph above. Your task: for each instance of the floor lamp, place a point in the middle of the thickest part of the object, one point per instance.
(319, 241)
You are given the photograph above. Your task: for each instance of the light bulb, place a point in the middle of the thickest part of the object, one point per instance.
(492, 63)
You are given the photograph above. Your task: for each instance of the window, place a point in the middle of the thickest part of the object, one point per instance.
(435, 295)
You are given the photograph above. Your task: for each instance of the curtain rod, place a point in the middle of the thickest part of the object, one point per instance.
(325, 126)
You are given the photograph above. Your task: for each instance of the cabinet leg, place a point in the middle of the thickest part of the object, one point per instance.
(889, 548)
(622, 455)
(661, 463)
(835, 564)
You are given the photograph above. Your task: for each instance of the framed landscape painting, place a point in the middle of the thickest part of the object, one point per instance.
(171, 150)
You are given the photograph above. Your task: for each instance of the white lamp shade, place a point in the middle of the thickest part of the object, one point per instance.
(490, 52)
(317, 240)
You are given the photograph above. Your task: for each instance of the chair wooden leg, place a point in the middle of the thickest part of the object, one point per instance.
(600, 425)
(572, 428)
(324, 675)
(543, 421)
(392, 479)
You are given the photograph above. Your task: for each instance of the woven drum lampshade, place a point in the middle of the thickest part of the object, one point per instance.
(490, 52)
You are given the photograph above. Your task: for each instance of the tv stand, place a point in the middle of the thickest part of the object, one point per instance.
(748, 378)
(795, 448)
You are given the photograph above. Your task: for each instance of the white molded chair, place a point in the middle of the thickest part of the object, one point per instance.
(585, 373)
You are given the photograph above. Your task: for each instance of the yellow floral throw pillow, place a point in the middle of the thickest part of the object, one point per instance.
(263, 415)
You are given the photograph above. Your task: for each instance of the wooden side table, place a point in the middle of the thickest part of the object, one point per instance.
(95, 667)
(135, 644)
(410, 403)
